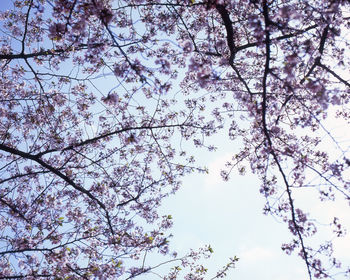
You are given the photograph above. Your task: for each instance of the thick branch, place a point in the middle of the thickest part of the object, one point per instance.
(27, 276)
(267, 135)
(320, 49)
(48, 52)
(225, 16)
(14, 209)
(26, 26)
(16, 251)
(106, 135)
(34, 54)
(59, 174)
(333, 73)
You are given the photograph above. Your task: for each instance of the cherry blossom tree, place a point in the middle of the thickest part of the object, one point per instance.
(101, 101)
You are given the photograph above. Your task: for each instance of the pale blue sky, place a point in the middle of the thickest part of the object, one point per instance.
(228, 216)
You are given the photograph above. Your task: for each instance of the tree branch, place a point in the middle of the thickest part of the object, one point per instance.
(59, 174)
(267, 135)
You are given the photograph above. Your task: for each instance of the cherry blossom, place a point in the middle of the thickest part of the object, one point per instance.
(103, 101)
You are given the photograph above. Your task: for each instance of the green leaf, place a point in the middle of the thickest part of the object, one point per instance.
(119, 264)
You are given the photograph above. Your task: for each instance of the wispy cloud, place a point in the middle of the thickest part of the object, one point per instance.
(257, 254)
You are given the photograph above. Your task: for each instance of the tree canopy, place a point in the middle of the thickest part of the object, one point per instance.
(103, 101)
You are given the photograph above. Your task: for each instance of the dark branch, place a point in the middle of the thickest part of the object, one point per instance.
(225, 16)
(106, 135)
(333, 73)
(14, 209)
(267, 135)
(26, 276)
(26, 26)
(59, 174)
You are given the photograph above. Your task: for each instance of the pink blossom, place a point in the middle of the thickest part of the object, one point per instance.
(56, 31)
(111, 99)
